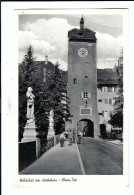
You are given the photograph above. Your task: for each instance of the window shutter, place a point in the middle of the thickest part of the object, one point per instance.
(113, 101)
(113, 89)
(103, 113)
(89, 95)
(81, 95)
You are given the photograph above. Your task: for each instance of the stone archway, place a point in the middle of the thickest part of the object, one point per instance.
(86, 126)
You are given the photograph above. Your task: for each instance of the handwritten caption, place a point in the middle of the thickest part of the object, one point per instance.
(48, 180)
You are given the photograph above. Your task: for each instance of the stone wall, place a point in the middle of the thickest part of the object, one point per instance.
(27, 154)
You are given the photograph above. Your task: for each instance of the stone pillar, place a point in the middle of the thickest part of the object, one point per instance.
(30, 128)
(30, 135)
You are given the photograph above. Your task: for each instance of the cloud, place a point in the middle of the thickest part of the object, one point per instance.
(108, 46)
(51, 37)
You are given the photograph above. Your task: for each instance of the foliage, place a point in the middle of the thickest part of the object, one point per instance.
(48, 95)
(29, 76)
(57, 98)
(117, 117)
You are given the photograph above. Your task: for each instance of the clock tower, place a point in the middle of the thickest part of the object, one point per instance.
(82, 81)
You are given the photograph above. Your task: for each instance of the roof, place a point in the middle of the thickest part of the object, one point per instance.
(106, 76)
(82, 35)
(41, 64)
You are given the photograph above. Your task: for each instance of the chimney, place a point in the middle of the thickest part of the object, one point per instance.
(46, 59)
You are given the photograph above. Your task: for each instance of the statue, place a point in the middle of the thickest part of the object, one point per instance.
(51, 123)
(30, 104)
(51, 117)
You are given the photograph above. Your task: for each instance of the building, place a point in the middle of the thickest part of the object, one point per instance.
(82, 80)
(91, 91)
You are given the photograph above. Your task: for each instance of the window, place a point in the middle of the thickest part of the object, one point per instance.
(113, 89)
(86, 77)
(110, 101)
(106, 101)
(75, 81)
(109, 89)
(104, 89)
(99, 100)
(100, 113)
(85, 95)
(106, 114)
(99, 88)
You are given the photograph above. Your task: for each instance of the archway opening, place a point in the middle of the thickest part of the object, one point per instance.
(86, 126)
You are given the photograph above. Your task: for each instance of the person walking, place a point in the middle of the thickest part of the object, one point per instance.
(73, 135)
(62, 139)
(70, 137)
(79, 136)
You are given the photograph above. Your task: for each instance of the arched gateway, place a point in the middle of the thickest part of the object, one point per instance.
(86, 126)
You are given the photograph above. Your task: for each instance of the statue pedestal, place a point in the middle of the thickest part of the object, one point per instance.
(30, 135)
(51, 132)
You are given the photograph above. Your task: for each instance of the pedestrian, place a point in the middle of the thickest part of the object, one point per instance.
(74, 136)
(62, 139)
(79, 136)
(70, 137)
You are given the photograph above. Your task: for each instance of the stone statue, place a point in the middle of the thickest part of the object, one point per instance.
(51, 117)
(51, 123)
(30, 104)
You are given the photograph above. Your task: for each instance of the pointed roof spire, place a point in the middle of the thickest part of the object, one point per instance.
(82, 23)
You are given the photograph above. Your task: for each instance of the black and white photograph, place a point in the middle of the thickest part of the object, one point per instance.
(71, 94)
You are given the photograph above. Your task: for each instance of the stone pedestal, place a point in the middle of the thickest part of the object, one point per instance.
(51, 128)
(30, 135)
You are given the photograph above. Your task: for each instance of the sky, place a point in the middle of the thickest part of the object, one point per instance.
(48, 35)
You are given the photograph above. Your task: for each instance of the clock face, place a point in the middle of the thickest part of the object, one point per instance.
(82, 52)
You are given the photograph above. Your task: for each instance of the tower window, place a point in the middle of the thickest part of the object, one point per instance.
(99, 100)
(75, 81)
(85, 95)
(86, 77)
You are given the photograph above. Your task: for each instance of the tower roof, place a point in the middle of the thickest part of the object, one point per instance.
(82, 34)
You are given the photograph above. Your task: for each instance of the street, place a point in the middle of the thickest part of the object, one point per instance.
(101, 158)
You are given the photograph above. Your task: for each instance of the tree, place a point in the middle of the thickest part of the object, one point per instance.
(57, 98)
(117, 117)
(48, 95)
(29, 76)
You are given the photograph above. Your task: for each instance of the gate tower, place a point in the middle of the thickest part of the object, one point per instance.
(82, 77)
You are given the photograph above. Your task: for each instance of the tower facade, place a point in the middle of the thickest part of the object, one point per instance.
(82, 81)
